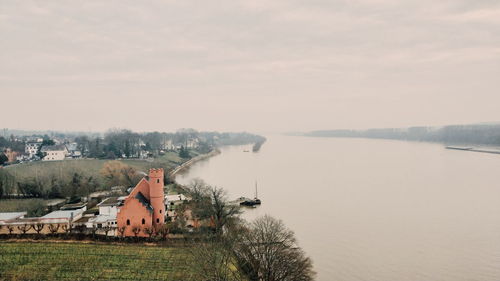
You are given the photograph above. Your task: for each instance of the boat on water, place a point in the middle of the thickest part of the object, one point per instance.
(250, 202)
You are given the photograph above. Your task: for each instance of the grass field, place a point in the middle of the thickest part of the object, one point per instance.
(77, 261)
(90, 166)
(14, 205)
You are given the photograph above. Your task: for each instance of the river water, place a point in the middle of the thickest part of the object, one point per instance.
(375, 210)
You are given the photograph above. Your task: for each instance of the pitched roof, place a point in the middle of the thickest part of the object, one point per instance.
(111, 201)
(60, 147)
(175, 197)
(144, 201)
(11, 215)
(63, 214)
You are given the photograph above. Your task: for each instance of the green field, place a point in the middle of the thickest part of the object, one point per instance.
(78, 261)
(18, 205)
(90, 166)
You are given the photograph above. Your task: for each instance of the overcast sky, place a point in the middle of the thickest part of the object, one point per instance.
(259, 65)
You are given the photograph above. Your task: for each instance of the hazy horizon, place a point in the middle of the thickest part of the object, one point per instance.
(258, 66)
(255, 132)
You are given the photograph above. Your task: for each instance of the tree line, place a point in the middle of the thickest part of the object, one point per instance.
(483, 134)
(123, 143)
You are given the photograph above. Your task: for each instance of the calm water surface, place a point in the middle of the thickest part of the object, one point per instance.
(373, 209)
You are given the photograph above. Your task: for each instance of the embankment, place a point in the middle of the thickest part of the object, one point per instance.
(191, 161)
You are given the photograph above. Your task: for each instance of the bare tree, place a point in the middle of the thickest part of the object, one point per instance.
(79, 228)
(93, 230)
(106, 230)
(121, 231)
(24, 228)
(268, 251)
(54, 228)
(149, 231)
(198, 190)
(210, 203)
(136, 230)
(221, 211)
(66, 228)
(10, 228)
(38, 227)
(163, 231)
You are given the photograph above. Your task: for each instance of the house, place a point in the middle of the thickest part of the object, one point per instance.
(75, 206)
(174, 200)
(168, 145)
(73, 151)
(54, 152)
(108, 212)
(31, 148)
(11, 155)
(109, 206)
(144, 207)
(171, 203)
(192, 143)
(105, 221)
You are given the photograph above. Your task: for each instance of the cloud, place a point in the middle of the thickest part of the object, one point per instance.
(180, 52)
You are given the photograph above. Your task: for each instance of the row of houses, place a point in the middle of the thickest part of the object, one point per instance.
(50, 152)
(67, 148)
(145, 208)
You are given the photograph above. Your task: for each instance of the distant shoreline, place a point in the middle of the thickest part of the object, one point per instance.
(473, 149)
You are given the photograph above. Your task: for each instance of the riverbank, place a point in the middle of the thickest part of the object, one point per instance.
(192, 161)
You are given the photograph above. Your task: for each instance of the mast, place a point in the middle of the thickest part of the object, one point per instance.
(256, 190)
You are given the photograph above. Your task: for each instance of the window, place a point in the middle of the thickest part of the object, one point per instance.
(158, 220)
(160, 211)
(143, 221)
(128, 222)
(158, 181)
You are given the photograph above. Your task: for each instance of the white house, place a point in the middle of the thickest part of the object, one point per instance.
(192, 143)
(173, 200)
(54, 152)
(109, 206)
(31, 148)
(108, 210)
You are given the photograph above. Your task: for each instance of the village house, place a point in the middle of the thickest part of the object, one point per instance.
(144, 207)
(54, 152)
(11, 155)
(108, 211)
(73, 151)
(31, 149)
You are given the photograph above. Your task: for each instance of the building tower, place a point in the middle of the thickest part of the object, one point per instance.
(157, 196)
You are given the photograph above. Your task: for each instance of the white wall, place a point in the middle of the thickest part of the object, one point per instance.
(54, 155)
(108, 210)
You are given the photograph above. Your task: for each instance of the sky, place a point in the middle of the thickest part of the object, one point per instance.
(259, 66)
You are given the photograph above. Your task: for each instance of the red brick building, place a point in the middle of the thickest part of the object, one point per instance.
(144, 206)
